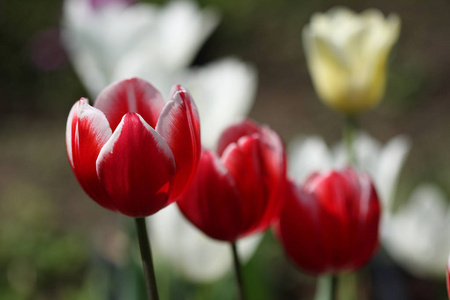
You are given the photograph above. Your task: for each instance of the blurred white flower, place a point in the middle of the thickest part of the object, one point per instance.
(418, 235)
(383, 163)
(177, 34)
(114, 41)
(193, 254)
(98, 39)
(347, 56)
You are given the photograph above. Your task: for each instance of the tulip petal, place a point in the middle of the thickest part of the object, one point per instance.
(179, 125)
(131, 95)
(136, 167)
(258, 165)
(417, 235)
(298, 229)
(366, 220)
(86, 132)
(234, 132)
(332, 192)
(244, 161)
(182, 23)
(212, 201)
(275, 163)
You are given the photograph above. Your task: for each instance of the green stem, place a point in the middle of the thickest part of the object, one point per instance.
(348, 286)
(350, 131)
(334, 283)
(237, 269)
(326, 288)
(147, 262)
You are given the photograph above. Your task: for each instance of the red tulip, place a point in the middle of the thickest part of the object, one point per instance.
(331, 223)
(131, 152)
(237, 191)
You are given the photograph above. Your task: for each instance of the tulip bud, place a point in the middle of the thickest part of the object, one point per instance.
(237, 191)
(331, 223)
(347, 56)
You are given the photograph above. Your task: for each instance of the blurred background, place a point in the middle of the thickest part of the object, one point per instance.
(55, 243)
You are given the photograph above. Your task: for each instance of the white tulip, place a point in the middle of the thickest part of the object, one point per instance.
(117, 41)
(418, 235)
(96, 39)
(347, 56)
(99, 39)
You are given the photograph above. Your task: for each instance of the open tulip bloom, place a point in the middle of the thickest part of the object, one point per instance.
(131, 152)
(238, 190)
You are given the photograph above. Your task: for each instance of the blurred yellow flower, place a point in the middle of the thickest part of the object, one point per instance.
(347, 56)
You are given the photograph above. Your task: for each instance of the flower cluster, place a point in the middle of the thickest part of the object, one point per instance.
(135, 154)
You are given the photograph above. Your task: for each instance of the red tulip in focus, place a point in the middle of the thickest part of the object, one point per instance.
(237, 191)
(132, 152)
(331, 223)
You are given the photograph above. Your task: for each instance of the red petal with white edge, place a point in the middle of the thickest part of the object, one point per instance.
(136, 167)
(179, 125)
(212, 201)
(233, 133)
(131, 95)
(86, 132)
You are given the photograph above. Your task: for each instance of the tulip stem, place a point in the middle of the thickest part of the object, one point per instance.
(350, 131)
(326, 288)
(334, 283)
(237, 269)
(147, 262)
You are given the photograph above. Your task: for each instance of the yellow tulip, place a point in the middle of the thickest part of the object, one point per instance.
(347, 56)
